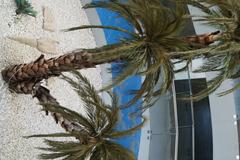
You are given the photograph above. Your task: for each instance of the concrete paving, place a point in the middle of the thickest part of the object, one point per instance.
(19, 114)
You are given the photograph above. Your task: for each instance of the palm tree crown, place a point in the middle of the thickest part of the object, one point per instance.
(222, 57)
(147, 51)
(95, 133)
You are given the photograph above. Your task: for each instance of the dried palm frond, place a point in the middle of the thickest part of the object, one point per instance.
(146, 51)
(24, 7)
(95, 138)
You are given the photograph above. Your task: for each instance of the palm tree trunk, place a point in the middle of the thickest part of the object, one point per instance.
(43, 69)
(44, 96)
(23, 77)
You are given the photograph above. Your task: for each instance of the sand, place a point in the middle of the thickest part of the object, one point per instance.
(20, 115)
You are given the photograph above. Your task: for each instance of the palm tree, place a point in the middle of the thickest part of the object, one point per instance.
(222, 57)
(147, 52)
(95, 133)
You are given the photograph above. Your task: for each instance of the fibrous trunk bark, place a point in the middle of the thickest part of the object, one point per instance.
(44, 96)
(43, 69)
(22, 78)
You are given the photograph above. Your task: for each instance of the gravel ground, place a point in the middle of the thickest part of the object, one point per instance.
(19, 114)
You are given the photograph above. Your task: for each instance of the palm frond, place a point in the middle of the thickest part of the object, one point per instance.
(118, 152)
(98, 112)
(65, 149)
(102, 27)
(50, 135)
(122, 9)
(128, 132)
(223, 15)
(225, 65)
